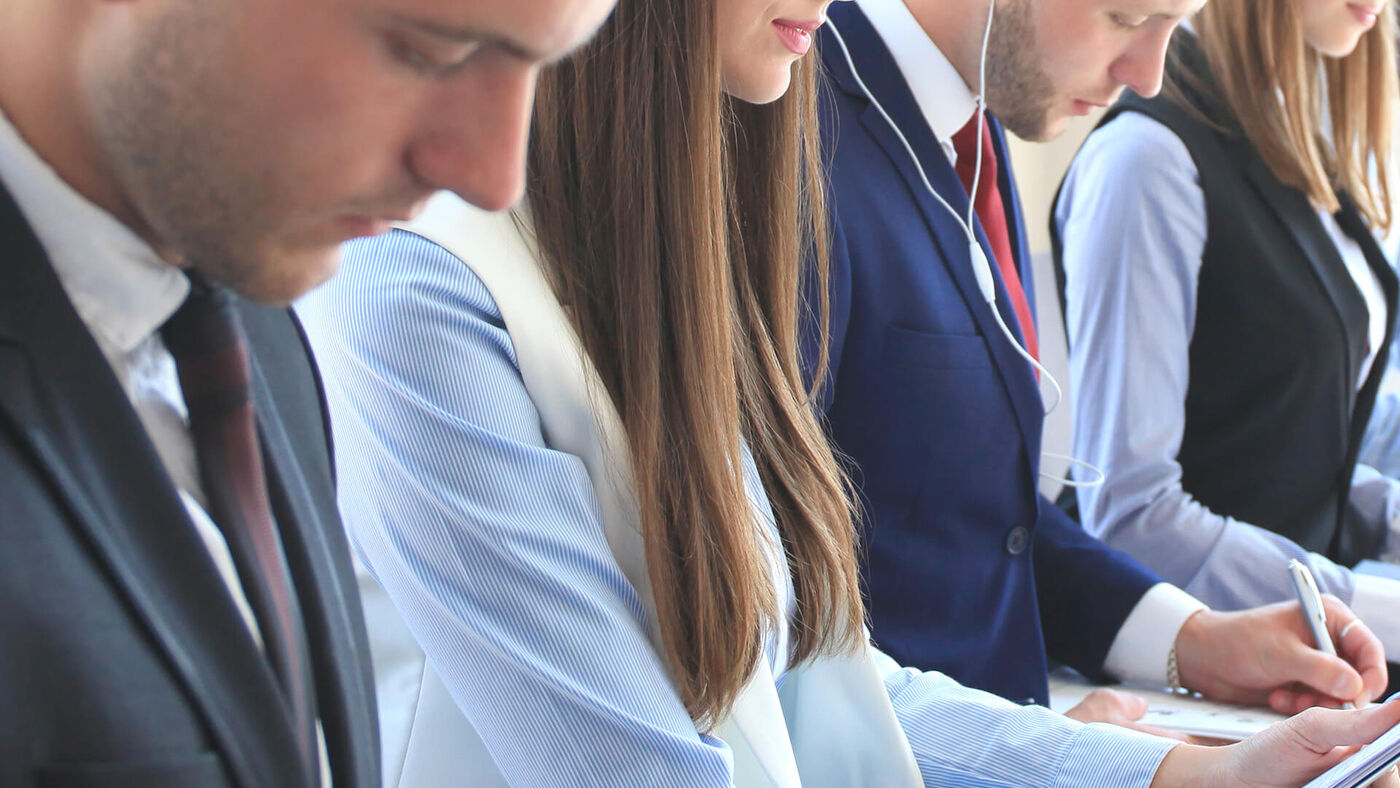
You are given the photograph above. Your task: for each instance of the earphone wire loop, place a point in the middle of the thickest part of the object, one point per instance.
(1097, 481)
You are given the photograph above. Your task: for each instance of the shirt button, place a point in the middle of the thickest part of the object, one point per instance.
(1017, 540)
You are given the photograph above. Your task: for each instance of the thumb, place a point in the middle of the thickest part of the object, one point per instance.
(1324, 673)
(1324, 729)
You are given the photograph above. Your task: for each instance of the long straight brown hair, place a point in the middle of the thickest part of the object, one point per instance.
(1274, 85)
(675, 223)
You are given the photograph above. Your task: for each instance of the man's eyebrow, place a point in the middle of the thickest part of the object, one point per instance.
(467, 35)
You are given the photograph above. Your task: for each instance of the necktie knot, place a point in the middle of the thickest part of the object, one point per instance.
(211, 356)
(205, 319)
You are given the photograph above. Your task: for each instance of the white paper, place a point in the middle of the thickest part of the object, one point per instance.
(1172, 711)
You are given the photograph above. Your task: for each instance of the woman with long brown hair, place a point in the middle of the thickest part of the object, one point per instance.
(1229, 309)
(605, 542)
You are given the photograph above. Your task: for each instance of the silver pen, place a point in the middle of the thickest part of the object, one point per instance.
(1311, 600)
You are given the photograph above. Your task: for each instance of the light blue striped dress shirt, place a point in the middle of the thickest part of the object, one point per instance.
(492, 546)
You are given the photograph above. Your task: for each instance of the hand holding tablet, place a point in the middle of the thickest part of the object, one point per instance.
(1366, 764)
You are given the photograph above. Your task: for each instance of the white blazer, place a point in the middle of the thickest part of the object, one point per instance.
(832, 724)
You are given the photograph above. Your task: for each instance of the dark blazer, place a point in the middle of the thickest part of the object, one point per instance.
(969, 571)
(123, 661)
(1273, 416)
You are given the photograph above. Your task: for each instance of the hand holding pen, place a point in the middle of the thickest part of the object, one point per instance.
(1266, 656)
(1315, 612)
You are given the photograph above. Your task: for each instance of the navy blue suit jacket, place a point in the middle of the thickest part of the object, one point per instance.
(969, 570)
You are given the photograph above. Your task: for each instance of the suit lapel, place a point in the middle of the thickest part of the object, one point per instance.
(324, 585)
(1350, 220)
(882, 77)
(61, 398)
(1296, 214)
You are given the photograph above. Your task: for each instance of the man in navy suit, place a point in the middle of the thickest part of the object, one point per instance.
(970, 570)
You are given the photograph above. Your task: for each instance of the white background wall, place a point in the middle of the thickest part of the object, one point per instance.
(1039, 167)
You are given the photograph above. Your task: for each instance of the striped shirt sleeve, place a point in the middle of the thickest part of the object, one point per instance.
(491, 545)
(489, 542)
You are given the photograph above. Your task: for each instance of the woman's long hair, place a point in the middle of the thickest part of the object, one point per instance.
(675, 224)
(1275, 87)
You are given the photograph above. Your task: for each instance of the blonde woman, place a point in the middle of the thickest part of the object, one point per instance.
(1229, 309)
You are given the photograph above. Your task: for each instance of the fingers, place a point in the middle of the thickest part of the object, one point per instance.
(1371, 722)
(1358, 645)
(1324, 674)
(1324, 729)
(1295, 698)
(1109, 705)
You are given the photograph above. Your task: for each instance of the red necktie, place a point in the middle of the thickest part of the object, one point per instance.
(991, 211)
(211, 359)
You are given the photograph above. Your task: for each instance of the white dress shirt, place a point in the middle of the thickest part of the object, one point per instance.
(1367, 284)
(124, 292)
(1139, 650)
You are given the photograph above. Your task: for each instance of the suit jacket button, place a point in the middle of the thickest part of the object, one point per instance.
(1017, 540)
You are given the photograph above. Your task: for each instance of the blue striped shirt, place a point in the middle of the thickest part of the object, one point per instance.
(492, 546)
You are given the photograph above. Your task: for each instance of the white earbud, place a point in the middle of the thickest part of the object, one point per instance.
(982, 269)
(981, 266)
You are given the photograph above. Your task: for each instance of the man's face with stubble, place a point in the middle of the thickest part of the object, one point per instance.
(248, 139)
(1050, 60)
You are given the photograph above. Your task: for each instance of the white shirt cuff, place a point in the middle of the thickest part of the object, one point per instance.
(1376, 601)
(1139, 651)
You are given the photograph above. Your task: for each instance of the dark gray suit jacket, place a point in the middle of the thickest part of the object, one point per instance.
(123, 661)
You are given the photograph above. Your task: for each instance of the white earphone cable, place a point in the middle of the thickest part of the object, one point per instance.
(981, 110)
(1074, 462)
(981, 266)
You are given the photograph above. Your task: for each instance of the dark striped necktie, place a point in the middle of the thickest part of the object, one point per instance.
(211, 356)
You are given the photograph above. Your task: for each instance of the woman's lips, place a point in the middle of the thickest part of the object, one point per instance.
(795, 35)
(1364, 14)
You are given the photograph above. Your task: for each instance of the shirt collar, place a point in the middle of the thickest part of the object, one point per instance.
(119, 286)
(943, 97)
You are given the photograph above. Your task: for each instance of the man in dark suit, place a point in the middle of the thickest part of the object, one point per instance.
(176, 598)
(970, 570)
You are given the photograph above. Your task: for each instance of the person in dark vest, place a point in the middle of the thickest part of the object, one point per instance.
(1229, 311)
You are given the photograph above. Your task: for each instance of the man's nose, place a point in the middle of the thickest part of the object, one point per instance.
(1141, 67)
(474, 141)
